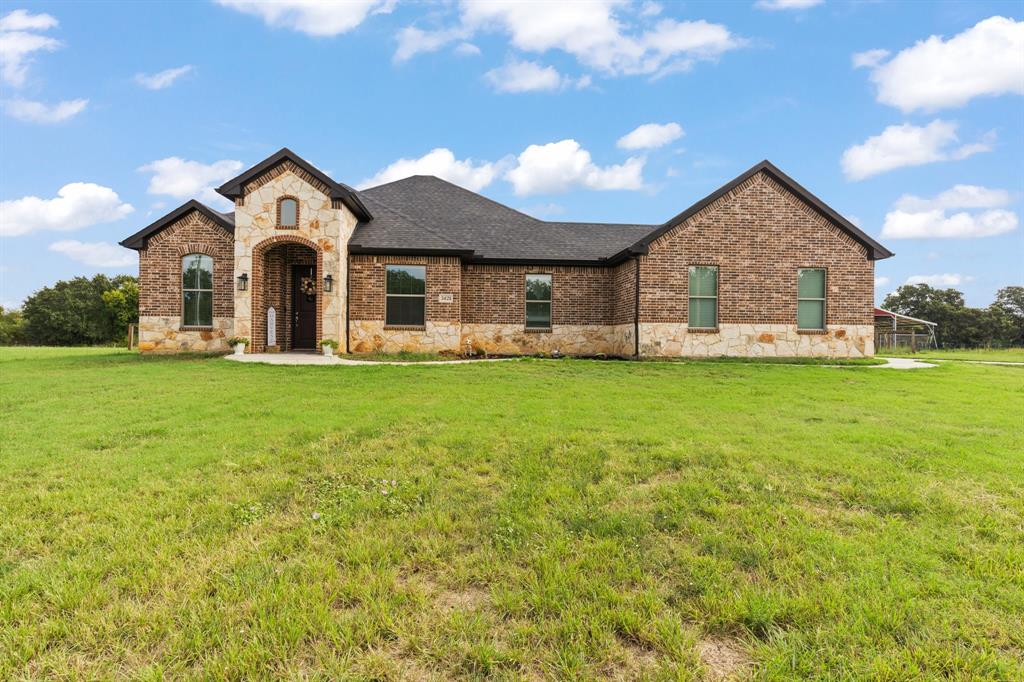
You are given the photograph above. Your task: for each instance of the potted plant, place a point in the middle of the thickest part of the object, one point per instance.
(239, 343)
(329, 346)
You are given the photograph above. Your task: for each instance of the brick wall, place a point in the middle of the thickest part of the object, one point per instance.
(160, 266)
(496, 294)
(759, 235)
(367, 285)
(623, 280)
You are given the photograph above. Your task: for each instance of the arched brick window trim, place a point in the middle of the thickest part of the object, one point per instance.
(259, 312)
(193, 247)
(297, 215)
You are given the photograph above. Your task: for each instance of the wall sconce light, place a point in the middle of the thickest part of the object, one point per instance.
(328, 283)
(243, 282)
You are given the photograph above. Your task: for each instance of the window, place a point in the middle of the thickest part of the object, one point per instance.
(406, 295)
(197, 290)
(287, 213)
(810, 298)
(538, 301)
(703, 305)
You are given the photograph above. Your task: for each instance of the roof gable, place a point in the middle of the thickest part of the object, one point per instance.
(235, 187)
(138, 240)
(875, 250)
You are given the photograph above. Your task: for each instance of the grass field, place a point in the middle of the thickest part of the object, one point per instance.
(192, 517)
(979, 354)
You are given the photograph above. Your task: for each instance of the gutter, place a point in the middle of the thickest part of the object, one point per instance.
(348, 300)
(636, 311)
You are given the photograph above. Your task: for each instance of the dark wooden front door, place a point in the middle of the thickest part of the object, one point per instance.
(303, 307)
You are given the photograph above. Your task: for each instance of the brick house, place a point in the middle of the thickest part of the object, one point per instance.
(759, 267)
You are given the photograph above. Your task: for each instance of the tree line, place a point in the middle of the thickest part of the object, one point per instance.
(74, 312)
(959, 326)
(97, 311)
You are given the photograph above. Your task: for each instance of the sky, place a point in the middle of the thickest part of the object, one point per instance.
(906, 117)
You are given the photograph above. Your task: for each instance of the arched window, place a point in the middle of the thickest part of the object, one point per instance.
(197, 290)
(287, 212)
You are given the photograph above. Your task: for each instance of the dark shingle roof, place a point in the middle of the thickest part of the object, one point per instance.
(432, 208)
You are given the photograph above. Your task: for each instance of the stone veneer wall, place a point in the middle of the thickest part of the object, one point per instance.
(671, 339)
(160, 297)
(327, 224)
(159, 334)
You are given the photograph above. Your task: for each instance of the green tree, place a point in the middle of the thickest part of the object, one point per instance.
(12, 327)
(75, 313)
(958, 325)
(123, 302)
(1010, 303)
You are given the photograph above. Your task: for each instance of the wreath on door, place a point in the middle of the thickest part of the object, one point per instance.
(308, 287)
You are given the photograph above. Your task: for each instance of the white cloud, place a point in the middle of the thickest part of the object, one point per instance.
(21, 20)
(985, 60)
(913, 217)
(786, 4)
(936, 224)
(868, 59)
(906, 145)
(413, 41)
(592, 33)
(38, 112)
(442, 163)
(651, 136)
(17, 43)
(881, 281)
(958, 196)
(77, 205)
(650, 9)
(312, 17)
(163, 79)
(946, 279)
(561, 166)
(183, 179)
(467, 50)
(96, 254)
(521, 76)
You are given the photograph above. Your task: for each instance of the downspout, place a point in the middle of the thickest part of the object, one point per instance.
(348, 299)
(636, 312)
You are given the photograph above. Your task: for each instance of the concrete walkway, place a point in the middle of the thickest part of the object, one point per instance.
(320, 359)
(902, 363)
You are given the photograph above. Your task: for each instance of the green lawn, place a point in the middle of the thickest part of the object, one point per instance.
(983, 354)
(192, 517)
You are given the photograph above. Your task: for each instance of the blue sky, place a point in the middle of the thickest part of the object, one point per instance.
(905, 117)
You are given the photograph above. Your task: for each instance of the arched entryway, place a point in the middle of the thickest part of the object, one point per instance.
(287, 275)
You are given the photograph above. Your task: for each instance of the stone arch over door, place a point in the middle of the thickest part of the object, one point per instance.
(261, 294)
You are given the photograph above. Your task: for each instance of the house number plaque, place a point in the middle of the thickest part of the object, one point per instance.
(446, 298)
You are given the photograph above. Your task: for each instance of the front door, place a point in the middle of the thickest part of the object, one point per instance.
(304, 307)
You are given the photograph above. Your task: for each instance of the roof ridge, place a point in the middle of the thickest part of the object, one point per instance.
(462, 189)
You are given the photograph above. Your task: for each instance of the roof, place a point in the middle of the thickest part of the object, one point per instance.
(438, 215)
(138, 240)
(882, 312)
(426, 215)
(430, 214)
(875, 250)
(234, 187)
